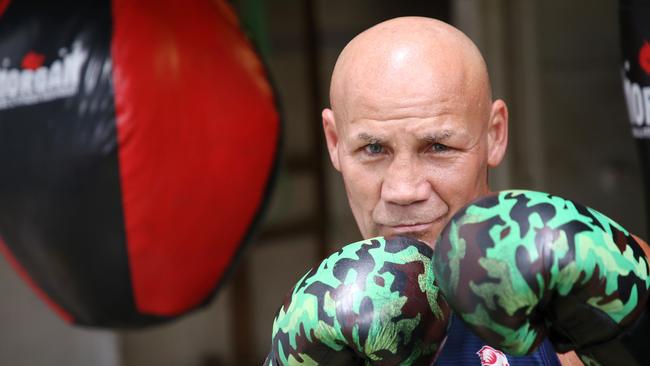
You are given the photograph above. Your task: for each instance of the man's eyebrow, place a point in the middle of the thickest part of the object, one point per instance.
(438, 136)
(369, 138)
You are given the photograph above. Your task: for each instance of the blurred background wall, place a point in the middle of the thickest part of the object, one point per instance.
(555, 62)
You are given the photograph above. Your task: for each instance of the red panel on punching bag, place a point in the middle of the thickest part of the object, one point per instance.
(206, 149)
(137, 144)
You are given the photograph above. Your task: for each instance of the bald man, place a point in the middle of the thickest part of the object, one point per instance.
(413, 130)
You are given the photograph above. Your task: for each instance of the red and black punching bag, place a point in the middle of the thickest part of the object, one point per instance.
(635, 45)
(137, 142)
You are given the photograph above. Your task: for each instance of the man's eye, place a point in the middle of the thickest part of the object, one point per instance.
(439, 147)
(374, 149)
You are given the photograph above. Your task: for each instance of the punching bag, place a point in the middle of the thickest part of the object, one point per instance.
(635, 45)
(137, 142)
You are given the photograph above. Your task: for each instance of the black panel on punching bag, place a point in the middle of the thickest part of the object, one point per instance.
(635, 43)
(58, 156)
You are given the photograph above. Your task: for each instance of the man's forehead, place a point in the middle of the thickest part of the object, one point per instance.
(409, 114)
(408, 94)
(410, 103)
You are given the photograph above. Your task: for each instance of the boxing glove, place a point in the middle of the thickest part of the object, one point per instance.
(373, 302)
(518, 266)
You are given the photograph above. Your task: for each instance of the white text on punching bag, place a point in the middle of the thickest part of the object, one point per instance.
(59, 80)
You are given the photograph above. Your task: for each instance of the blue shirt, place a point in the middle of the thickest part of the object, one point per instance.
(464, 348)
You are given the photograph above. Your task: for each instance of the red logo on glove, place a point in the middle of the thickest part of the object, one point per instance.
(644, 57)
(492, 357)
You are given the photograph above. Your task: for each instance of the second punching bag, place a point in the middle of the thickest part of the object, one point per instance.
(635, 43)
(137, 142)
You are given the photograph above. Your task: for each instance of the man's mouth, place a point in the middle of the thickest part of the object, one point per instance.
(409, 228)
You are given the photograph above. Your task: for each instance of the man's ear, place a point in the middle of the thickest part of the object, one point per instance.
(331, 136)
(497, 133)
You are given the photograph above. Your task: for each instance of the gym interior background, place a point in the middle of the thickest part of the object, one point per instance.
(555, 62)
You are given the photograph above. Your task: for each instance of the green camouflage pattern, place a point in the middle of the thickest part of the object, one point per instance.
(373, 302)
(518, 266)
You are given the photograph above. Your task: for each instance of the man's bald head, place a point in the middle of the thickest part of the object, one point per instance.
(405, 57)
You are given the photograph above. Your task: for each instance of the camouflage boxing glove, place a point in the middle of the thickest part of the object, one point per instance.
(520, 265)
(373, 302)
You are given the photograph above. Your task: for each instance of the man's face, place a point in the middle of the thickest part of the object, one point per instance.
(412, 128)
(408, 166)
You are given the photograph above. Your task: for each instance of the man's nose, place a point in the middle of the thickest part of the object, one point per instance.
(405, 182)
